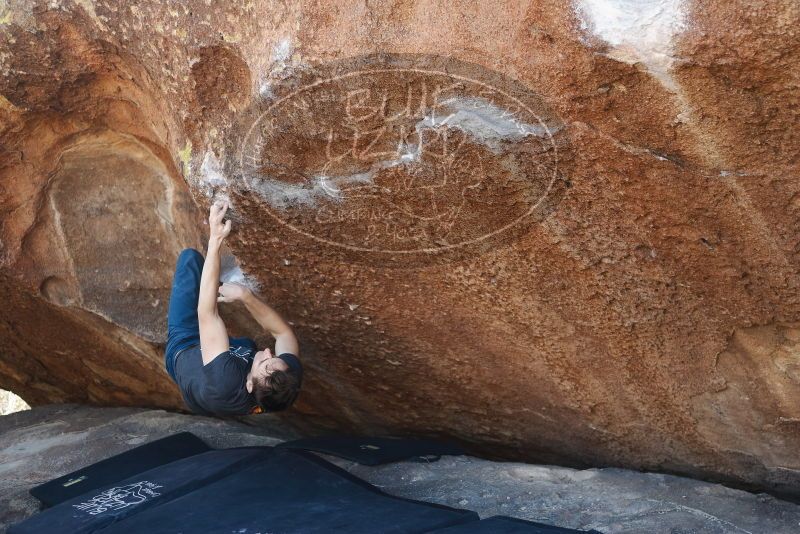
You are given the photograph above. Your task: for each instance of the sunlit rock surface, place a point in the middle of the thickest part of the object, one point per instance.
(10, 403)
(564, 232)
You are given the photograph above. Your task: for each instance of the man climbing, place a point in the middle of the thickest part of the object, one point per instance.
(218, 375)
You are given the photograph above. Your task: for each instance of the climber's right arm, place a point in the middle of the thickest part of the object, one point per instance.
(213, 334)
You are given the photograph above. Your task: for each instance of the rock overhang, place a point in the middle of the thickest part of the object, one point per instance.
(622, 324)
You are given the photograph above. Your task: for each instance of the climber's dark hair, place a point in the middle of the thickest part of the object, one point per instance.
(277, 392)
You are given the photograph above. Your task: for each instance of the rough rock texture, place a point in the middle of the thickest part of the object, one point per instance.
(609, 500)
(551, 230)
(50, 441)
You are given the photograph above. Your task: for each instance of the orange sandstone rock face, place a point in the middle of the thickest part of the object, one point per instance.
(558, 232)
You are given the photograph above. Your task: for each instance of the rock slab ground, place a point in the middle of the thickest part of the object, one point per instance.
(47, 442)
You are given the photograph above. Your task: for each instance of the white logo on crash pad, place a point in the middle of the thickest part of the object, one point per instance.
(119, 497)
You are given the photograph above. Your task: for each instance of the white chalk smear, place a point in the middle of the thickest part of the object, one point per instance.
(640, 31)
(284, 195)
(231, 273)
(282, 51)
(482, 120)
(280, 67)
(211, 179)
(333, 185)
(265, 89)
(280, 63)
(211, 171)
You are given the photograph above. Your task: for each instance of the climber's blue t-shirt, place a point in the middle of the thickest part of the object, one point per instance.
(219, 387)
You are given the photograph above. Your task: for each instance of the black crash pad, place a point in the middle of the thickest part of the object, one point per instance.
(119, 467)
(292, 492)
(501, 524)
(104, 506)
(374, 451)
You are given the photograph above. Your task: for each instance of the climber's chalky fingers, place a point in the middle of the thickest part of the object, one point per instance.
(219, 229)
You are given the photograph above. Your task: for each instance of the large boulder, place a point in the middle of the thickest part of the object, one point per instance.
(564, 232)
